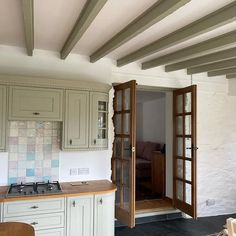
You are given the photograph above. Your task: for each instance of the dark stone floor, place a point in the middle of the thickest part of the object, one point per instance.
(179, 227)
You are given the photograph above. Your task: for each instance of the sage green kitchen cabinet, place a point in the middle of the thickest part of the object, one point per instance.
(30, 103)
(104, 212)
(3, 112)
(98, 120)
(80, 216)
(76, 124)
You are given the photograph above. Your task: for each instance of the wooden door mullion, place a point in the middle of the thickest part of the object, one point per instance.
(184, 163)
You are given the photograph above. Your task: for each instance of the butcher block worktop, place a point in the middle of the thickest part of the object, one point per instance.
(68, 189)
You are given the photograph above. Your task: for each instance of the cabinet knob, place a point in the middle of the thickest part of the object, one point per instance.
(70, 141)
(73, 204)
(34, 223)
(101, 201)
(34, 207)
(36, 113)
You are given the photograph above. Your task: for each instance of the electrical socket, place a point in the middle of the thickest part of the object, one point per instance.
(210, 202)
(83, 171)
(73, 171)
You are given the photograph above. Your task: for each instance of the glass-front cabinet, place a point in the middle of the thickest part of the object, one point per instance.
(99, 120)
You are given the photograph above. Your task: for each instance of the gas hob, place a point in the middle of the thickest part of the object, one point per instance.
(32, 189)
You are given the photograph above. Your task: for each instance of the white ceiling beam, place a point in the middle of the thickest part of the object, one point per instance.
(86, 17)
(232, 76)
(222, 72)
(211, 21)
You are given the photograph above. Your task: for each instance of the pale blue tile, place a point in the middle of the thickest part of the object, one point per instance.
(55, 163)
(29, 172)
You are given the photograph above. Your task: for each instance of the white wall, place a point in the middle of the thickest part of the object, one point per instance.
(154, 121)
(216, 121)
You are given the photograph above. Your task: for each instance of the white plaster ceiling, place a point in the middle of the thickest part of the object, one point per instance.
(54, 19)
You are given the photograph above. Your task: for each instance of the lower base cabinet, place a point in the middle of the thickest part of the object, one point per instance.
(91, 215)
(50, 232)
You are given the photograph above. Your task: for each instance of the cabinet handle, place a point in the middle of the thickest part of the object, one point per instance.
(36, 113)
(34, 223)
(70, 141)
(73, 203)
(94, 141)
(101, 201)
(34, 207)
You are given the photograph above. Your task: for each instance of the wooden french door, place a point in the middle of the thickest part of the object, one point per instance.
(185, 148)
(123, 158)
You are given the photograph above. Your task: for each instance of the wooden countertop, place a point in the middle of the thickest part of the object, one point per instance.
(68, 189)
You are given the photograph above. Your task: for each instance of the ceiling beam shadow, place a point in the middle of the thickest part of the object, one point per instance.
(151, 16)
(222, 72)
(210, 58)
(211, 21)
(28, 19)
(213, 66)
(232, 76)
(218, 42)
(86, 17)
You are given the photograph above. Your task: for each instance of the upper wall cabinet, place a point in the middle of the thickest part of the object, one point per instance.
(27, 103)
(98, 120)
(76, 128)
(3, 111)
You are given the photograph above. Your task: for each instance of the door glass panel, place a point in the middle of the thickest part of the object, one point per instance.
(117, 148)
(126, 123)
(179, 185)
(187, 102)
(118, 171)
(127, 152)
(126, 173)
(188, 145)
(188, 170)
(102, 134)
(180, 104)
(187, 125)
(126, 198)
(179, 125)
(102, 120)
(180, 147)
(188, 193)
(118, 124)
(119, 100)
(127, 99)
(180, 168)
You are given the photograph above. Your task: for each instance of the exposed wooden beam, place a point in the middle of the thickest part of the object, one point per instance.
(232, 76)
(28, 19)
(213, 66)
(213, 57)
(222, 72)
(218, 42)
(152, 15)
(218, 18)
(86, 17)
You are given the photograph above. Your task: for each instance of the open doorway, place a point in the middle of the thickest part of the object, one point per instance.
(151, 122)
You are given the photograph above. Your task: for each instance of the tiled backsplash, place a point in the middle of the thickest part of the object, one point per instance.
(33, 151)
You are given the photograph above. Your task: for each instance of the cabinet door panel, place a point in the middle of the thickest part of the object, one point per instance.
(98, 120)
(104, 215)
(3, 101)
(35, 104)
(76, 120)
(50, 232)
(80, 216)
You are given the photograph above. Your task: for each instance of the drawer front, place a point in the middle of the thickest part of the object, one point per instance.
(35, 104)
(39, 222)
(21, 208)
(50, 232)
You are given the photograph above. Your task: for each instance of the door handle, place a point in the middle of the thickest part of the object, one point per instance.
(101, 201)
(36, 113)
(34, 223)
(94, 141)
(73, 204)
(70, 141)
(194, 148)
(34, 207)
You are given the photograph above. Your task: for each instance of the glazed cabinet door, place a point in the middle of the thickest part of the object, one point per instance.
(3, 111)
(104, 215)
(80, 216)
(98, 120)
(76, 120)
(27, 103)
